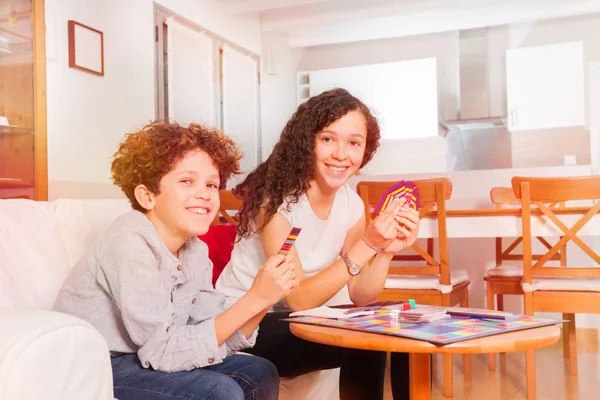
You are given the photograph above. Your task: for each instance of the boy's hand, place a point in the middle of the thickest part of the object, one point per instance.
(275, 279)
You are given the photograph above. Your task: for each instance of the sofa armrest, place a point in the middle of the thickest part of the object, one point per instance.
(50, 355)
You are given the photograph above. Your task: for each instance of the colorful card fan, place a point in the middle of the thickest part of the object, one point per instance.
(289, 241)
(401, 189)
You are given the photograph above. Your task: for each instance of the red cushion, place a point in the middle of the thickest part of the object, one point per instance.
(219, 239)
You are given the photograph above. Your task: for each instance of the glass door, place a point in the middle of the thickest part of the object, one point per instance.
(17, 103)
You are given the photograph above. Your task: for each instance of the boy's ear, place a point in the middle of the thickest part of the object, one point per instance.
(144, 197)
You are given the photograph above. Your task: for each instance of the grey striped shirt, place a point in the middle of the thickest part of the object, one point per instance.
(144, 300)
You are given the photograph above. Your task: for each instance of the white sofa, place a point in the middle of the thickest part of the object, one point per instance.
(50, 355)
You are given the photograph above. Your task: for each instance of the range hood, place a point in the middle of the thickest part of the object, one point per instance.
(481, 86)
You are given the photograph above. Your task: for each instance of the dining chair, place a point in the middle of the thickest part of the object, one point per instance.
(431, 282)
(564, 289)
(505, 278)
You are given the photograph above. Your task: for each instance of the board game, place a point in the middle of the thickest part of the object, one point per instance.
(451, 330)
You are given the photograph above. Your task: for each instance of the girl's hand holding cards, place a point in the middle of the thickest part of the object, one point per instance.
(407, 218)
(384, 228)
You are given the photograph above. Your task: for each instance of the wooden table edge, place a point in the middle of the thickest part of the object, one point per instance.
(505, 212)
(531, 338)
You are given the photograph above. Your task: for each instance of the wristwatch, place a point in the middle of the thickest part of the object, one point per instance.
(353, 269)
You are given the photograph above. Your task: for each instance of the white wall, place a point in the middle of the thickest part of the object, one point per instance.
(245, 31)
(89, 115)
(277, 89)
(278, 92)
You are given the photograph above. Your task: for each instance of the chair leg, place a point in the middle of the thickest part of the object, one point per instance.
(572, 339)
(500, 302)
(448, 375)
(565, 335)
(466, 357)
(529, 354)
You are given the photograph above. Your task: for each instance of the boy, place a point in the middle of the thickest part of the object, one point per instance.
(146, 284)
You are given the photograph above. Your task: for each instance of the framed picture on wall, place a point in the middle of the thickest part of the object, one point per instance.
(86, 48)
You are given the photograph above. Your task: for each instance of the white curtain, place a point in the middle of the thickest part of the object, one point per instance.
(190, 80)
(240, 103)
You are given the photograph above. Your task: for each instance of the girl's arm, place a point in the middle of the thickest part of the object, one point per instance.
(314, 291)
(366, 286)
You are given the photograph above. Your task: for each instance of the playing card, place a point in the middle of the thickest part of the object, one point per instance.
(388, 196)
(412, 195)
(405, 189)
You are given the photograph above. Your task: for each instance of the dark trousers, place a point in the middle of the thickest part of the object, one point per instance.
(361, 371)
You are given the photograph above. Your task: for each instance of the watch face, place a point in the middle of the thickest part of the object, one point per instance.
(354, 269)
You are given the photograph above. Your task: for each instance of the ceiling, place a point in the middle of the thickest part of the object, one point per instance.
(315, 22)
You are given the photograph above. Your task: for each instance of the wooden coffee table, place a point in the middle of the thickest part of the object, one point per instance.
(419, 351)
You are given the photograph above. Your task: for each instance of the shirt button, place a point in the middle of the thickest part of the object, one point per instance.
(179, 268)
(211, 360)
(194, 300)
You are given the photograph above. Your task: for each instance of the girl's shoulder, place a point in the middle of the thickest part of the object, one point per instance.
(350, 198)
(290, 203)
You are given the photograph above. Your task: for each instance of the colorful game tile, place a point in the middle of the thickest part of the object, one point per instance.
(289, 241)
(413, 303)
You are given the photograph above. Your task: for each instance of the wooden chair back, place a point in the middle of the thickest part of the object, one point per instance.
(433, 196)
(538, 192)
(505, 196)
(228, 209)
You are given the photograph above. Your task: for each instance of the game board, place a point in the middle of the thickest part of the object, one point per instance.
(442, 332)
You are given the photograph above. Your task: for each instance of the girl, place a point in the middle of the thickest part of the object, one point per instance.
(146, 284)
(303, 184)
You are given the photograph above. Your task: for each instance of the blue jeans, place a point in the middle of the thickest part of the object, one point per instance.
(239, 376)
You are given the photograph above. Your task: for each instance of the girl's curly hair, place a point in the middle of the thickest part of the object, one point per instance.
(150, 153)
(287, 173)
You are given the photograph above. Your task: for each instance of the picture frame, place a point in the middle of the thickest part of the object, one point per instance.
(86, 48)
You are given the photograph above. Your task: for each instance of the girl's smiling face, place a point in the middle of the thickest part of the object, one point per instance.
(339, 150)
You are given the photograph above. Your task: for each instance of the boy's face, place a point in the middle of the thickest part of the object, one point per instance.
(189, 196)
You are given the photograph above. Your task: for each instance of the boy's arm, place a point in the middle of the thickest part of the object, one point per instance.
(272, 283)
(245, 336)
(237, 324)
(145, 306)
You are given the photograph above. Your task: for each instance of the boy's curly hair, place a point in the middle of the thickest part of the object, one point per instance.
(150, 153)
(290, 168)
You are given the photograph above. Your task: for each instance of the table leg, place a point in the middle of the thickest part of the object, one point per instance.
(420, 376)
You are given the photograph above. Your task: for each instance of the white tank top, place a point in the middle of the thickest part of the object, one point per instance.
(318, 244)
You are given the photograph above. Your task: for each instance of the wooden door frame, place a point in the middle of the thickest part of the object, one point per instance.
(40, 116)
